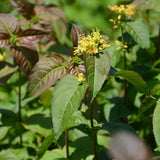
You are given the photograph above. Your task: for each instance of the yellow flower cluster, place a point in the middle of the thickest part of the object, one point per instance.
(81, 78)
(124, 9)
(91, 44)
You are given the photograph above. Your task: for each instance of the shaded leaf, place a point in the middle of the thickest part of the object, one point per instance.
(139, 31)
(8, 24)
(75, 33)
(45, 73)
(6, 71)
(67, 97)
(83, 148)
(39, 123)
(26, 58)
(147, 103)
(9, 118)
(97, 68)
(114, 127)
(24, 8)
(156, 122)
(46, 143)
(135, 79)
(127, 146)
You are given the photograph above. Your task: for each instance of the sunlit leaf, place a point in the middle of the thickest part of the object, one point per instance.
(135, 79)
(53, 154)
(25, 58)
(139, 31)
(23, 7)
(156, 122)
(97, 68)
(76, 119)
(75, 32)
(45, 73)
(46, 143)
(3, 131)
(4, 154)
(127, 146)
(39, 123)
(8, 24)
(67, 97)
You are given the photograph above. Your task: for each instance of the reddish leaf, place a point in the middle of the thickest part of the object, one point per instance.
(8, 24)
(4, 40)
(45, 73)
(53, 20)
(75, 70)
(30, 36)
(49, 14)
(25, 58)
(23, 8)
(127, 146)
(75, 32)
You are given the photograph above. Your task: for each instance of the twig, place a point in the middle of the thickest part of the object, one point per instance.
(67, 144)
(19, 105)
(93, 135)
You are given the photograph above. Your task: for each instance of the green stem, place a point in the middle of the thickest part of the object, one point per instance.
(157, 46)
(67, 143)
(19, 105)
(125, 65)
(93, 135)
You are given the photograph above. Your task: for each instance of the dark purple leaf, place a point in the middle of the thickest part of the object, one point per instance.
(4, 40)
(75, 70)
(23, 8)
(75, 32)
(45, 73)
(26, 58)
(30, 36)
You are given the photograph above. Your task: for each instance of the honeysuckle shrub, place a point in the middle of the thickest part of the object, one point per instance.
(79, 79)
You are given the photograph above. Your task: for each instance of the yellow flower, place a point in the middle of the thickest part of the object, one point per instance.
(1, 57)
(91, 44)
(81, 78)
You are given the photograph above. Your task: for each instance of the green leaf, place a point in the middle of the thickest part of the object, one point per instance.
(46, 143)
(7, 155)
(3, 131)
(156, 122)
(39, 123)
(54, 154)
(45, 73)
(67, 97)
(135, 79)
(6, 71)
(139, 31)
(9, 118)
(97, 68)
(76, 119)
